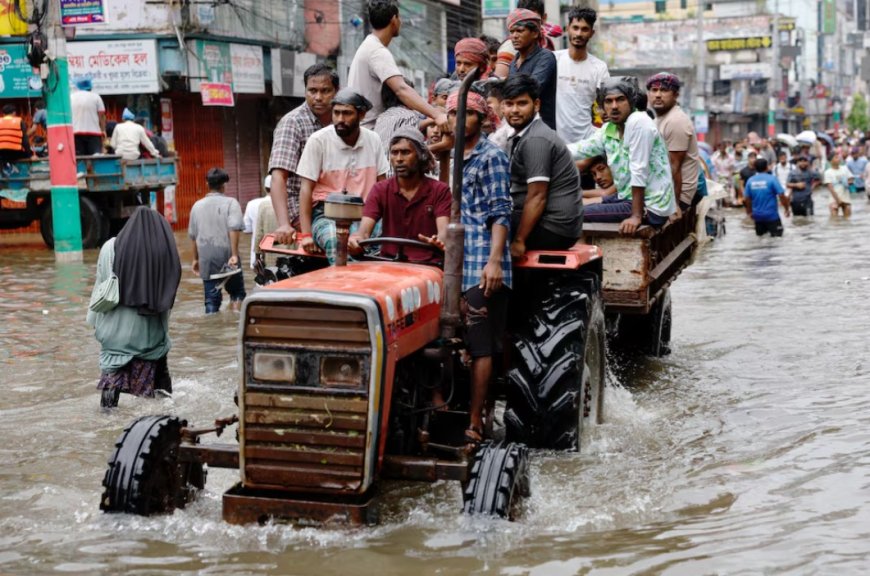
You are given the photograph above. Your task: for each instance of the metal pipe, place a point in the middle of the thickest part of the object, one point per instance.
(455, 241)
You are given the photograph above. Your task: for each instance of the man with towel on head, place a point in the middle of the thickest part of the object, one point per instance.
(471, 53)
(532, 60)
(343, 157)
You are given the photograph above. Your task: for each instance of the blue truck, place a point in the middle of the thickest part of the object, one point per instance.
(109, 189)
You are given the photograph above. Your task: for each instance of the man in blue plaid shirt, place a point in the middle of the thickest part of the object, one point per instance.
(486, 274)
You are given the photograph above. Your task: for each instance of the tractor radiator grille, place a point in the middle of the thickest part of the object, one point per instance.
(306, 442)
(309, 434)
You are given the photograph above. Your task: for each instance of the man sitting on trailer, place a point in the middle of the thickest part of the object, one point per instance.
(599, 171)
(545, 185)
(637, 156)
(408, 205)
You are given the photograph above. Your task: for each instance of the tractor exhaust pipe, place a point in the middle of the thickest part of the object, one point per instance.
(455, 242)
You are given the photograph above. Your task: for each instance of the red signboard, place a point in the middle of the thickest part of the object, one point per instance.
(216, 94)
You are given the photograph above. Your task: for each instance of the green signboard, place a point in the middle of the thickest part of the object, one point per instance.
(17, 79)
(829, 17)
(496, 8)
(209, 62)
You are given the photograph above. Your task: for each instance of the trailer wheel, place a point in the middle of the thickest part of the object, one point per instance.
(657, 329)
(92, 220)
(594, 364)
(544, 389)
(144, 476)
(498, 480)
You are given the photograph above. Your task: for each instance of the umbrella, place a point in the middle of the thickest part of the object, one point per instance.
(806, 137)
(829, 142)
(788, 140)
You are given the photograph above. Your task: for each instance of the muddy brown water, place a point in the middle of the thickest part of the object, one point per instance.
(746, 451)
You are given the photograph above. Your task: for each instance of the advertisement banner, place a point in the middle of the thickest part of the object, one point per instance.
(745, 71)
(17, 79)
(116, 67)
(216, 94)
(496, 8)
(167, 126)
(76, 12)
(249, 76)
(209, 62)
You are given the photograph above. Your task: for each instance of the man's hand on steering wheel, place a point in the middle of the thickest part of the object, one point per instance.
(433, 240)
(353, 246)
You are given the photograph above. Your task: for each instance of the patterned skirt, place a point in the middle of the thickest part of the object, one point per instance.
(138, 377)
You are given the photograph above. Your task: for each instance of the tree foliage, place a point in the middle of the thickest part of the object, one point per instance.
(857, 118)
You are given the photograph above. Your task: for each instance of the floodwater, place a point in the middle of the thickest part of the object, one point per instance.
(746, 451)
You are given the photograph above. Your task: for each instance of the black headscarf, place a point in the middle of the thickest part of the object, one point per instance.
(147, 263)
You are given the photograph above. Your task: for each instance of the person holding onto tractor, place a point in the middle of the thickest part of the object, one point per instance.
(291, 134)
(486, 273)
(410, 204)
(545, 185)
(344, 158)
(637, 156)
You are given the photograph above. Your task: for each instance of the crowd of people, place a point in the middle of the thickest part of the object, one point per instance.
(536, 165)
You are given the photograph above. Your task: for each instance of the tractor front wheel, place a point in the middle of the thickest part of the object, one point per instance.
(498, 480)
(145, 475)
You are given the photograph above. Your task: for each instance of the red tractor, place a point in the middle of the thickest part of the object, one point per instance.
(337, 371)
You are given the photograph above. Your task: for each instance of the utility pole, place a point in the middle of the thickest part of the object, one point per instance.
(775, 75)
(700, 66)
(66, 217)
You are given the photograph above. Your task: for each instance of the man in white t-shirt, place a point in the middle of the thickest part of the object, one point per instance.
(578, 75)
(343, 157)
(373, 66)
(88, 119)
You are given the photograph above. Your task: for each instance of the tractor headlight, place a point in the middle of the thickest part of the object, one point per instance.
(341, 371)
(275, 367)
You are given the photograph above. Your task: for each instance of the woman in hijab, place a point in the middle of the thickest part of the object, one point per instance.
(134, 336)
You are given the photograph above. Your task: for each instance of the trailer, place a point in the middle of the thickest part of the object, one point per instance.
(109, 189)
(638, 270)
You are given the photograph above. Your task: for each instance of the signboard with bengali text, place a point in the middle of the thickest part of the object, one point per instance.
(17, 79)
(732, 44)
(249, 76)
(116, 67)
(216, 94)
(81, 12)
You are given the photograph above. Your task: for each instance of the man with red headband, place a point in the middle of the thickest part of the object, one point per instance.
(532, 60)
(663, 90)
(471, 53)
(486, 271)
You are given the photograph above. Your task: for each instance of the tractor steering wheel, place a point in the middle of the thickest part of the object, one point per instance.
(400, 244)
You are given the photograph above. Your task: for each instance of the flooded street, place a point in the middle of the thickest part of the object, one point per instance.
(746, 451)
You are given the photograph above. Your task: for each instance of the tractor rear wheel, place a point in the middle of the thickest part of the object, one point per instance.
(93, 222)
(498, 480)
(145, 476)
(546, 401)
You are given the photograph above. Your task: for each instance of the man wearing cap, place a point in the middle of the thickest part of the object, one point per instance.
(128, 136)
(637, 156)
(373, 66)
(471, 53)
(486, 269)
(545, 186)
(410, 204)
(215, 226)
(88, 119)
(531, 60)
(345, 158)
(678, 130)
(442, 89)
(291, 134)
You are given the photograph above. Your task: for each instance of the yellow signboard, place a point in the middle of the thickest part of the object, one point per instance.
(10, 23)
(731, 44)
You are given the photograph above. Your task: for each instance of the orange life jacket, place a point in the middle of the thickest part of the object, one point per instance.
(11, 136)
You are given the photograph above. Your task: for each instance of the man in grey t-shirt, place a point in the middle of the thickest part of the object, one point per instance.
(215, 227)
(545, 185)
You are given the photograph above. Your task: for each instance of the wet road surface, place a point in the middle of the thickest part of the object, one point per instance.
(746, 451)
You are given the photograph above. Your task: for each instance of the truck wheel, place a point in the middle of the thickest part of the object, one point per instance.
(92, 220)
(498, 480)
(544, 392)
(659, 326)
(145, 476)
(594, 365)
